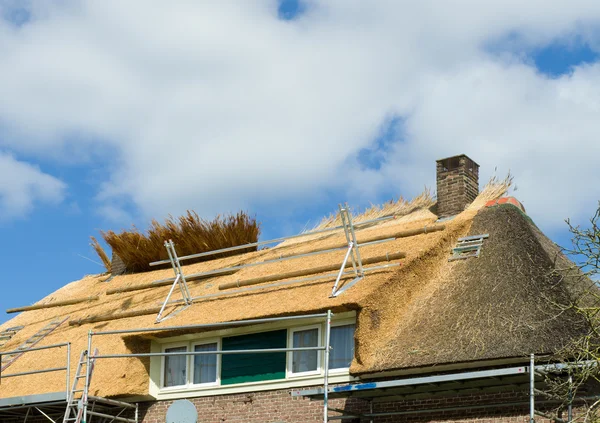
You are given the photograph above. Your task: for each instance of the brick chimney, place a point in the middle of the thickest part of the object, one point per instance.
(457, 184)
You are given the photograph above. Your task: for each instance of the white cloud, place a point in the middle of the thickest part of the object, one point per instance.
(22, 185)
(217, 106)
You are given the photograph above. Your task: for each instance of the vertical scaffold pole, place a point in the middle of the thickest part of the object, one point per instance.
(532, 389)
(570, 406)
(84, 397)
(326, 368)
(68, 367)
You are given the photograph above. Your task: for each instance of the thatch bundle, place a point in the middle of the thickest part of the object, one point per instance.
(191, 235)
(101, 253)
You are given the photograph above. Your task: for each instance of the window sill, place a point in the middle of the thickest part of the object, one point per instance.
(176, 392)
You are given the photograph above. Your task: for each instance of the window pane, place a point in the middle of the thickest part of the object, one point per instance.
(205, 365)
(305, 361)
(175, 368)
(248, 367)
(342, 343)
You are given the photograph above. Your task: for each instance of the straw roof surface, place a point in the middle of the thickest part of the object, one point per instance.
(427, 311)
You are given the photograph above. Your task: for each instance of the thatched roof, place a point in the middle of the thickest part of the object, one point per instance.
(505, 304)
(427, 311)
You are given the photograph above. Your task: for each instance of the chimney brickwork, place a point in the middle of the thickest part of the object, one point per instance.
(457, 184)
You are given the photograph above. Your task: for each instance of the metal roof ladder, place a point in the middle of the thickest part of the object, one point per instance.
(77, 401)
(469, 246)
(179, 281)
(7, 334)
(8, 359)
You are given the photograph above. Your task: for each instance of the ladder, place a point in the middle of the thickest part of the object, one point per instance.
(8, 333)
(77, 400)
(8, 359)
(469, 246)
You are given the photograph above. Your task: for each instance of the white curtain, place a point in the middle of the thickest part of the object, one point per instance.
(342, 344)
(175, 367)
(305, 361)
(205, 365)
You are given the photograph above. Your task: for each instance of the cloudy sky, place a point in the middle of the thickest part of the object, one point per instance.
(114, 112)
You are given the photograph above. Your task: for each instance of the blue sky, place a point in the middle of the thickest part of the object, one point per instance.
(113, 114)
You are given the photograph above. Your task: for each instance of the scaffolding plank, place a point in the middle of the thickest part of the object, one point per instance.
(413, 381)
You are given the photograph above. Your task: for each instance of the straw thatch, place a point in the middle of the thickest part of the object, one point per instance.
(502, 305)
(190, 233)
(428, 311)
(101, 254)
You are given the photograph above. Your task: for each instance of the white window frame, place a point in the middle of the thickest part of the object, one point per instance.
(205, 341)
(164, 349)
(291, 381)
(344, 322)
(290, 355)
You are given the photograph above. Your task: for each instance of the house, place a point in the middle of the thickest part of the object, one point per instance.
(439, 325)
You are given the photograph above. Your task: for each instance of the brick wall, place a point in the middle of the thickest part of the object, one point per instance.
(280, 406)
(457, 184)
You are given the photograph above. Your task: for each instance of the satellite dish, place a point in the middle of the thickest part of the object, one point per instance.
(182, 411)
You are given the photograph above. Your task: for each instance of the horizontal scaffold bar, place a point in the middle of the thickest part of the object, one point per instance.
(270, 241)
(53, 304)
(110, 417)
(211, 325)
(45, 347)
(194, 277)
(108, 401)
(414, 381)
(216, 352)
(33, 372)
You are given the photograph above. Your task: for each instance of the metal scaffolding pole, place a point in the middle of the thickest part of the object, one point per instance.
(570, 406)
(326, 347)
(326, 367)
(532, 389)
(210, 325)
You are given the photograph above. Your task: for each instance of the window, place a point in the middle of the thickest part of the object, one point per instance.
(175, 368)
(248, 367)
(210, 371)
(205, 365)
(305, 361)
(342, 346)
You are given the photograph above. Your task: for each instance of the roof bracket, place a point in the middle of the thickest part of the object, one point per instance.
(179, 281)
(469, 246)
(353, 253)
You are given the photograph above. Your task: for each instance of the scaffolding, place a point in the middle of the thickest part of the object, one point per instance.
(325, 347)
(352, 247)
(520, 379)
(55, 406)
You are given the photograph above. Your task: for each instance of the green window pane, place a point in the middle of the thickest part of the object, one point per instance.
(248, 367)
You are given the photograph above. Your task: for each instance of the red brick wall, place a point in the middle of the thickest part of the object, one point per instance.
(280, 406)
